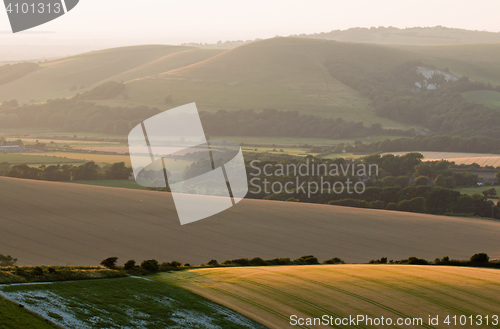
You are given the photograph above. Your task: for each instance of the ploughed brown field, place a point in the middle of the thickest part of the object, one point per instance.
(59, 223)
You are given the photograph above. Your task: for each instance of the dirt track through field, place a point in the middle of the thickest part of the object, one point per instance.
(59, 223)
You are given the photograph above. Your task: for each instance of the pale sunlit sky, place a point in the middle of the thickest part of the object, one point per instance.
(122, 22)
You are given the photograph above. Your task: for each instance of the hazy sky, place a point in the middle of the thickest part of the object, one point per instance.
(175, 21)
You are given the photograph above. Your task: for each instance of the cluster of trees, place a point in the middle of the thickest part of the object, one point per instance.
(274, 123)
(403, 183)
(477, 260)
(76, 115)
(394, 95)
(7, 260)
(430, 143)
(80, 114)
(11, 72)
(394, 169)
(152, 265)
(147, 266)
(66, 173)
(4, 142)
(421, 199)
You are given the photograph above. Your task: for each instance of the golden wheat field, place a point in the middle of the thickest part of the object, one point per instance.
(481, 159)
(272, 295)
(54, 223)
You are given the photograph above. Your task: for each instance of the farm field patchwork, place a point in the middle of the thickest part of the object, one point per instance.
(481, 159)
(123, 303)
(271, 295)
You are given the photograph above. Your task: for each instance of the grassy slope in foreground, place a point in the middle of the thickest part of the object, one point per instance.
(14, 317)
(123, 303)
(52, 223)
(270, 295)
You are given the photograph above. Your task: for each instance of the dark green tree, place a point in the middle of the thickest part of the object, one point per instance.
(109, 262)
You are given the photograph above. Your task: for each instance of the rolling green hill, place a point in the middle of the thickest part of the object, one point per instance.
(289, 74)
(55, 78)
(479, 62)
(437, 35)
(279, 73)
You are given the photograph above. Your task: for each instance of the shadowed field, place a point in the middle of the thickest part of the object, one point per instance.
(119, 303)
(60, 223)
(271, 295)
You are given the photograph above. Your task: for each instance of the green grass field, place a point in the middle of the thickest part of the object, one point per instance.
(97, 158)
(486, 97)
(14, 317)
(38, 159)
(122, 303)
(273, 294)
(479, 189)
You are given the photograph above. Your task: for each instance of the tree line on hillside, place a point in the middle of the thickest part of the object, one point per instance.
(80, 114)
(429, 143)
(4, 142)
(394, 95)
(11, 72)
(403, 183)
(149, 266)
(274, 123)
(74, 115)
(66, 173)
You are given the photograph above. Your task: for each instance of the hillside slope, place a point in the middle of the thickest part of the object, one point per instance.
(279, 73)
(55, 78)
(437, 35)
(62, 223)
(289, 74)
(479, 62)
(292, 74)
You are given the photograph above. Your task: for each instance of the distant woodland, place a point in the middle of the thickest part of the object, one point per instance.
(443, 110)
